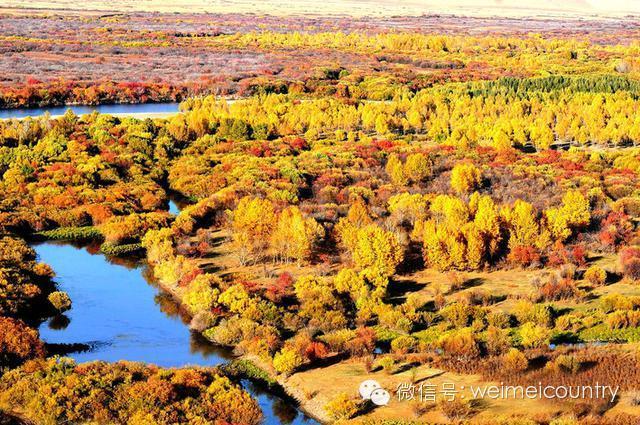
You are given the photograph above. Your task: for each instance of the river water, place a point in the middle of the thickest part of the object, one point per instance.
(138, 108)
(120, 314)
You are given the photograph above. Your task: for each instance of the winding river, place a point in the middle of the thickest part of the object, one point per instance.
(120, 314)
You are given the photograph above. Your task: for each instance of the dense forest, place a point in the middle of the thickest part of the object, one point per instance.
(464, 204)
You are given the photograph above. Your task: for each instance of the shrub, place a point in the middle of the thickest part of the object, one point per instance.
(60, 300)
(18, 342)
(515, 360)
(115, 250)
(534, 336)
(455, 409)
(387, 363)
(403, 344)
(497, 340)
(60, 391)
(71, 233)
(342, 407)
(567, 363)
(595, 275)
(461, 343)
(559, 289)
(316, 350)
(623, 319)
(286, 361)
(364, 342)
(630, 262)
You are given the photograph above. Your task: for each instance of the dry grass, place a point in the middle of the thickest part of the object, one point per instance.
(339, 7)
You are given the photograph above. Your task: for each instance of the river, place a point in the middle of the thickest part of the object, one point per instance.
(121, 314)
(120, 109)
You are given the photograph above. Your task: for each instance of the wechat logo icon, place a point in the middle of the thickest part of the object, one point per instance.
(371, 390)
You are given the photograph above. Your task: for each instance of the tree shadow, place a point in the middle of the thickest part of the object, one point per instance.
(398, 290)
(324, 362)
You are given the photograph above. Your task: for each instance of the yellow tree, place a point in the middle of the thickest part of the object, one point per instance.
(294, 236)
(395, 170)
(465, 177)
(523, 224)
(407, 207)
(573, 213)
(347, 227)
(377, 250)
(417, 167)
(487, 222)
(251, 224)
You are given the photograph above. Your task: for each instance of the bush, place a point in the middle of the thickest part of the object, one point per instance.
(71, 233)
(595, 275)
(120, 250)
(244, 368)
(342, 407)
(567, 363)
(534, 336)
(630, 262)
(515, 360)
(56, 391)
(455, 409)
(60, 300)
(287, 361)
(403, 344)
(461, 343)
(18, 342)
(623, 319)
(387, 364)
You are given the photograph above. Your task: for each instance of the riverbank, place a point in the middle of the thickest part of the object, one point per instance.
(266, 376)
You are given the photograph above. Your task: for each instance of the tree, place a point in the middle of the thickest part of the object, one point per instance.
(534, 336)
(294, 235)
(395, 171)
(203, 292)
(407, 207)
(251, 224)
(378, 250)
(465, 177)
(319, 304)
(574, 213)
(18, 342)
(417, 167)
(235, 298)
(523, 225)
(347, 227)
(287, 360)
(342, 407)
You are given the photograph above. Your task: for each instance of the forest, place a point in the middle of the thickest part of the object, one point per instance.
(364, 201)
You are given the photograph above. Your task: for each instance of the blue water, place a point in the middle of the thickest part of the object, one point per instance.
(120, 313)
(81, 109)
(173, 207)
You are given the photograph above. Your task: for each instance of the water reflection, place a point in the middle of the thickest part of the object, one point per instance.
(119, 313)
(275, 409)
(59, 322)
(121, 309)
(147, 108)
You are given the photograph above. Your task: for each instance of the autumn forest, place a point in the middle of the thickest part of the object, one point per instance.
(415, 200)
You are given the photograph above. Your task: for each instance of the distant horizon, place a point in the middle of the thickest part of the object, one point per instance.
(374, 8)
